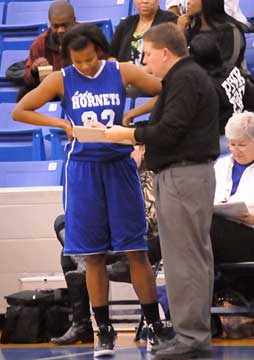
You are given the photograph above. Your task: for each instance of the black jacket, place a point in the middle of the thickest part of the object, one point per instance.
(184, 123)
(121, 42)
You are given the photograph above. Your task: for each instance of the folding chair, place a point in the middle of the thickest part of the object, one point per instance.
(231, 273)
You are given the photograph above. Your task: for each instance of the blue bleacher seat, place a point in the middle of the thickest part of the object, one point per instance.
(6, 122)
(8, 92)
(105, 26)
(27, 12)
(9, 57)
(15, 42)
(19, 141)
(129, 103)
(20, 37)
(139, 101)
(21, 145)
(249, 53)
(53, 109)
(58, 140)
(247, 7)
(31, 173)
(1, 12)
(87, 10)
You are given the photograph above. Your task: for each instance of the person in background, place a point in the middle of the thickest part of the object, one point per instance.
(235, 92)
(181, 139)
(231, 7)
(46, 49)
(127, 41)
(232, 238)
(178, 7)
(109, 213)
(209, 16)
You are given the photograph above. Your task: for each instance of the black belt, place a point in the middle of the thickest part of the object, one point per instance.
(183, 163)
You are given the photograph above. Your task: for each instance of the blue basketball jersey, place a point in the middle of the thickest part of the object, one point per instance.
(101, 98)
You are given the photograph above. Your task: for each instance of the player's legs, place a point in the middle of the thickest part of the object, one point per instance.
(142, 277)
(97, 279)
(87, 232)
(126, 213)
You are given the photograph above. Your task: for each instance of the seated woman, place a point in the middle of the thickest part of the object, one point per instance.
(235, 91)
(209, 16)
(233, 238)
(127, 41)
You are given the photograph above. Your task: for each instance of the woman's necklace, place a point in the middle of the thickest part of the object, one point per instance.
(143, 27)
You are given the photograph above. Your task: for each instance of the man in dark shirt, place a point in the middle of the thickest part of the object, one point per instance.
(46, 49)
(182, 139)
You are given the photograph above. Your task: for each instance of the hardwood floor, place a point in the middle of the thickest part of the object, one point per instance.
(126, 349)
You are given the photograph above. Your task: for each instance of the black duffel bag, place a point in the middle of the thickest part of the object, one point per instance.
(35, 316)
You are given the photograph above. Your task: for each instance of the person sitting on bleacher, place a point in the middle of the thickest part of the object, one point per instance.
(46, 49)
(232, 237)
(231, 7)
(209, 16)
(234, 88)
(127, 41)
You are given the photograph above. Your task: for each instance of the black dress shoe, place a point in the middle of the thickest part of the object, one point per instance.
(82, 331)
(180, 351)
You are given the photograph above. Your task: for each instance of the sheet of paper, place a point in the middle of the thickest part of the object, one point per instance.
(232, 210)
(88, 134)
(44, 71)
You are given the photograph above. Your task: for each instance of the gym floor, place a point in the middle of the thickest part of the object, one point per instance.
(126, 349)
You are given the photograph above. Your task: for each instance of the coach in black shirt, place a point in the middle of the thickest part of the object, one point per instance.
(182, 139)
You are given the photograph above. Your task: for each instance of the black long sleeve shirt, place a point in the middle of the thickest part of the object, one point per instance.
(184, 123)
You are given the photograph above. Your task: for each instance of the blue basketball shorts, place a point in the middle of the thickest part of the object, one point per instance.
(104, 207)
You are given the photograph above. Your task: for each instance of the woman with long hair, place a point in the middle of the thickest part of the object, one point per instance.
(204, 16)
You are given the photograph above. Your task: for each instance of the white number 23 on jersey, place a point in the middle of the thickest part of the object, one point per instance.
(106, 115)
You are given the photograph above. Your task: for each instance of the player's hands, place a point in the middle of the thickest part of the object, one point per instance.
(68, 129)
(247, 218)
(41, 61)
(127, 118)
(94, 124)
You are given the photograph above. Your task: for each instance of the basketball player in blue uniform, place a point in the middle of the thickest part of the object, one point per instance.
(104, 207)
